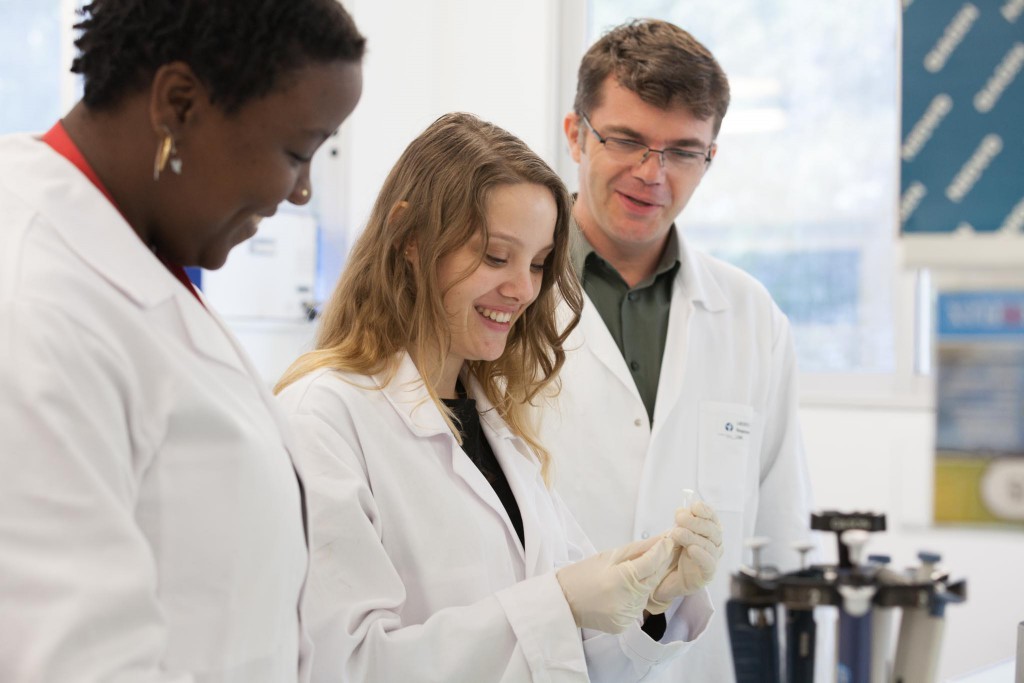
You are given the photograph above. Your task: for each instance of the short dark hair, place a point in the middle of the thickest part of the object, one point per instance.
(238, 48)
(663, 64)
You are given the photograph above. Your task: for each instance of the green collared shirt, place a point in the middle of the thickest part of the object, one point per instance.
(637, 318)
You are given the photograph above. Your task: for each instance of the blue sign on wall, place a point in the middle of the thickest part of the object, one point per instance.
(963, 116)
(981, 314)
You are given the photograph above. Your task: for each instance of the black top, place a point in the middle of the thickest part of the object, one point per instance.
(479, 451)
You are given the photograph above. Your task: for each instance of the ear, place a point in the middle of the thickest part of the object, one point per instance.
(397, 210)
(175, 97)
(411, 253)
(571, 126)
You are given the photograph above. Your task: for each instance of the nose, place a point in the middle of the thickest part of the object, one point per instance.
(521, 285)
(651, 171)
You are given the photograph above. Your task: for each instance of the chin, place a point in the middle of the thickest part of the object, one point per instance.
(213, 261)
(493, 355)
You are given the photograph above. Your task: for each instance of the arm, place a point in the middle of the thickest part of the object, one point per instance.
(78, 581)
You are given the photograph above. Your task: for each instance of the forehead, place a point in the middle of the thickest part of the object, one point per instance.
(522, 214)
(315, 97)
(621, 110)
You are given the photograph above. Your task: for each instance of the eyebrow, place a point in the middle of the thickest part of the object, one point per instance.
(629, 132)
(319, 133)
(508, 237)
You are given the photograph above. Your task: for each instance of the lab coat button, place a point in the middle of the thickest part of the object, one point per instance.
(645, 535)
(638, 422)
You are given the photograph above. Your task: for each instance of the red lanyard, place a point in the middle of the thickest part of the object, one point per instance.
(57, 138)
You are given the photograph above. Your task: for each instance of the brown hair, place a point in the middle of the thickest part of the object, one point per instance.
(663, 64)
(436, 198)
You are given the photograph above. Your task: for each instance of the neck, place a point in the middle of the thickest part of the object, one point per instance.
(635, 262)
(443, 377)
(116, 147)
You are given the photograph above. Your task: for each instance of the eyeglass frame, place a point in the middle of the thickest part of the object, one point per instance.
(639, 145)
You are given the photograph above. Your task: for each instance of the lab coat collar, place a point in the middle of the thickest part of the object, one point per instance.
(90, 225)
(522, 471)
(407, 393)
(594, 335)
(97, 233)
(488, 413)
(694, 288)
(696, 282)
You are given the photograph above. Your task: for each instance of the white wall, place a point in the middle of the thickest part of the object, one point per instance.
(426, 58)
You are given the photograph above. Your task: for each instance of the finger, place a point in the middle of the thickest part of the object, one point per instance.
(702, 509)
(633, 550)
(709, 529)
(673, 562)
(704, 562)
(653, 563)
(688, 539)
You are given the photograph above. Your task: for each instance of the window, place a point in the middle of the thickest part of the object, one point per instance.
(802, 193)
(35, 47)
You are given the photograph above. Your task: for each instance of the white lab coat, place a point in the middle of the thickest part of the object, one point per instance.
(150, 517)
(417, 573)
(725, 424)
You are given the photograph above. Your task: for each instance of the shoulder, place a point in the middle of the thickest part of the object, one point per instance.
(327, 391)
(734, 282)
(721, 286)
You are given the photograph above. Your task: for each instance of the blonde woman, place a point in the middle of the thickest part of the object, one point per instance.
(439, 552)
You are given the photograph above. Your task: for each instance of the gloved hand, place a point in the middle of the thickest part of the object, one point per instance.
(608, 591)
(698, 546)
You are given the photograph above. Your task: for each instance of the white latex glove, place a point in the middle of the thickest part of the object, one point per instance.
(608, 591)
(698, 546)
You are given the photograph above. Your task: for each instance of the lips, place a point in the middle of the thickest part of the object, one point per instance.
(637, 201)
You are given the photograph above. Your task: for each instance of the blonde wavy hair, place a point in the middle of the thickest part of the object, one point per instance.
(436, 198)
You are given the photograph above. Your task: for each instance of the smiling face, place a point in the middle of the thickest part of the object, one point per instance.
(238, 167)
(483, 306)
(626, 208)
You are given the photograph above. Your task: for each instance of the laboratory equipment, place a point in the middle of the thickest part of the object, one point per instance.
(869, 597)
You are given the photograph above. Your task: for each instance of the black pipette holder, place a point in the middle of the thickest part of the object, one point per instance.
(757, 591)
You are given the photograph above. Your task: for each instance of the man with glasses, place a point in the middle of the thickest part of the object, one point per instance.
(681, 374)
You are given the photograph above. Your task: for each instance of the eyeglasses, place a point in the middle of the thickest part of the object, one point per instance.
(637, 152)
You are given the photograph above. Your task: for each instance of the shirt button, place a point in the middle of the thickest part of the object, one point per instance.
(638, 422)
(634, 366)
(632, 296)
(645, 535)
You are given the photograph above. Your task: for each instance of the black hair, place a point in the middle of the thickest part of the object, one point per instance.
(238, 48)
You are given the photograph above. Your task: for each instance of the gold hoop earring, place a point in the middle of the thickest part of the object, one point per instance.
(166, 153)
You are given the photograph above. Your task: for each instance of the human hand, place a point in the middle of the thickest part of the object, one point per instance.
(697, 537)
(608, 591)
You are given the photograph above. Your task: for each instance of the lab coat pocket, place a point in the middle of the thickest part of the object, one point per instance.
(723, 444)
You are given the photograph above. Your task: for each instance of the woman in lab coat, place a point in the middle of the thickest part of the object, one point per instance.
(151, 522)
(438, 551)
